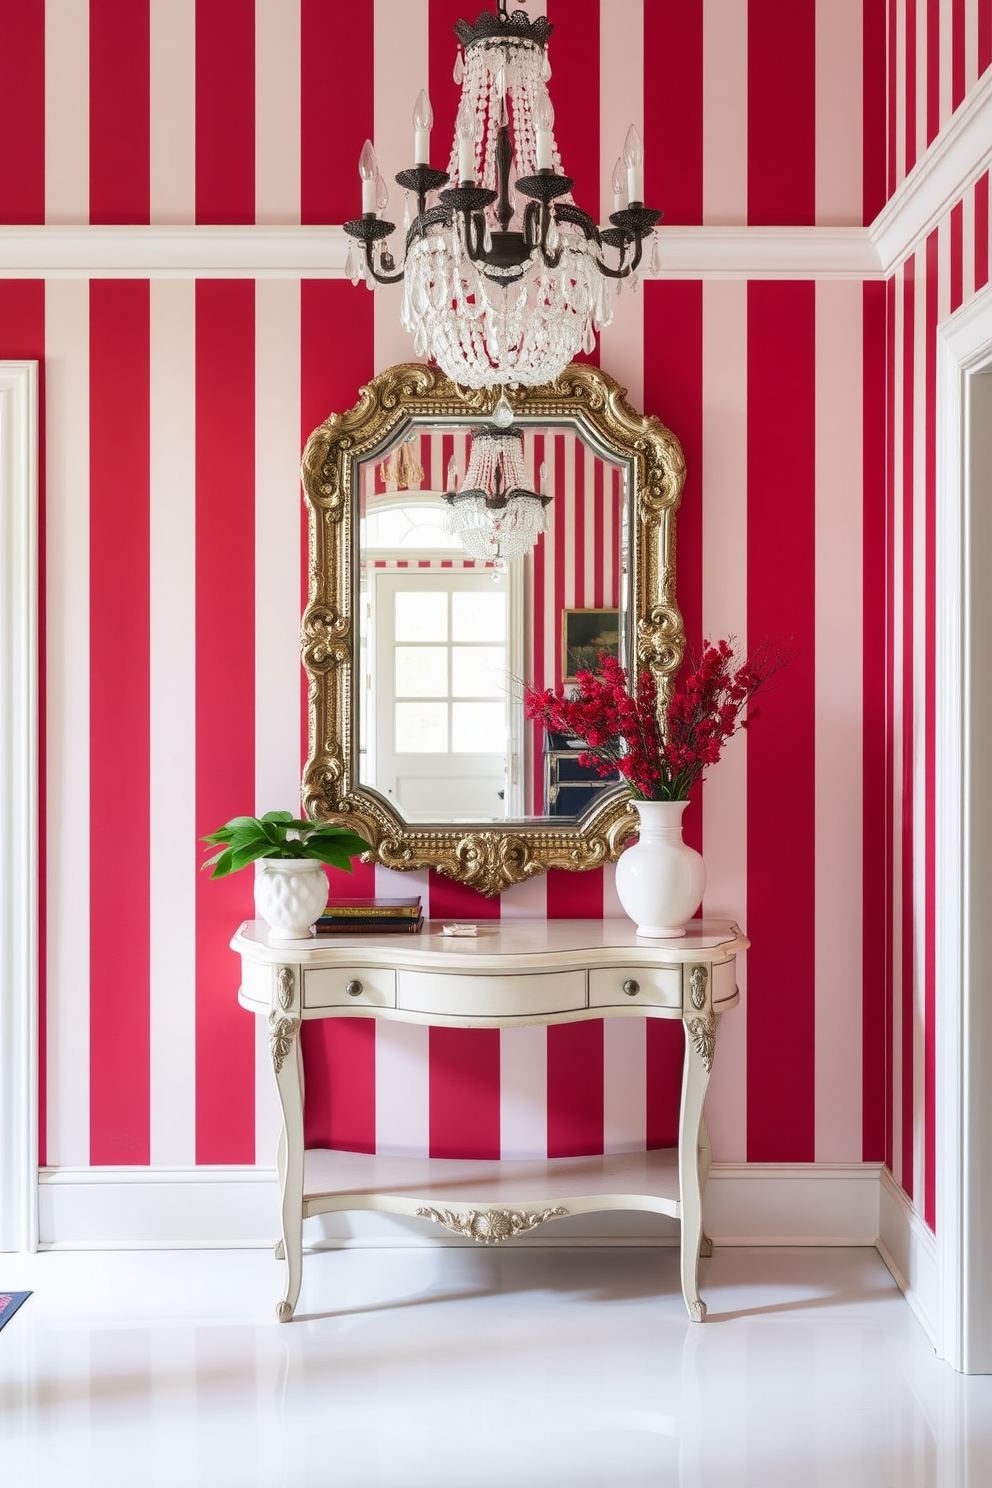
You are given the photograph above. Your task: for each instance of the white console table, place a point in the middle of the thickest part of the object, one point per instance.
(511, 973)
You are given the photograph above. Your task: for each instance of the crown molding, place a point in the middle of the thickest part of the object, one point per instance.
(291, 252)
(175, 251)
(955, 160)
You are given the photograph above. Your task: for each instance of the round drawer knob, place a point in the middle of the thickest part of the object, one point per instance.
(631, 988)
(354, 989)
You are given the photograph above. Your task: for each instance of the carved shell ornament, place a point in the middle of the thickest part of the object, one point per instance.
(490, 1226)
(490, 857)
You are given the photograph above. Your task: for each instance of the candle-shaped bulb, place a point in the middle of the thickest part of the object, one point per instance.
(423, 123)
(368, 169)
(633, 155)
(452, 474)
(544, 119)
(381, 194)
(619, 185)
(542, 479)
(465, 129)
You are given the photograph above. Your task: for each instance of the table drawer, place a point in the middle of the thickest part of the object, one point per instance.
(657, 986)
(327, 986)
(492, 996)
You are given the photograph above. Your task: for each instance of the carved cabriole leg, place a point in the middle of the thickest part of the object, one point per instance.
(284, 1045)
(280, 1251)
(705, 1244)
(700, 1040)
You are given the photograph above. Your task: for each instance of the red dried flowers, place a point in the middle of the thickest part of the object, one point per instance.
(621, 729)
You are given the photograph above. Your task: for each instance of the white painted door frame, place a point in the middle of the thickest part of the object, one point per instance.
(19, 806)
(964, 838)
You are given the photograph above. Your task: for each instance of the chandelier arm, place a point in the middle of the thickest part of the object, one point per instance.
(377, 275)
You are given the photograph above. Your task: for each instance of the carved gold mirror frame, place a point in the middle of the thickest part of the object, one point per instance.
(491, 856)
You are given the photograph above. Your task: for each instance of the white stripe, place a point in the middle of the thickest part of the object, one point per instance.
(921, 930)
(523, 1092)
(67, 111)
(900, 93)
(838, 739)
(725, 614)
(401, 70)
(621, 103)
(555, 517)
(612, 908)
(278, 746)
(277, 111)
(724, 112)
(525, 901)
(172, 110)
(838, 113)
(391, 883)
(172, 688)
(592, 543)
(566, 533)
(970, 44)
(624, 1084)
(402, 1089)
(897, 757)
(67, 440)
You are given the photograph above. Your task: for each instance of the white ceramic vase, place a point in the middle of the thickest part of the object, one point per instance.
(660, 880)
(289, 895)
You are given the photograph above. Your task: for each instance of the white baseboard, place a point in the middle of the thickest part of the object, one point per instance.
(218, 1208)
(908, 1247)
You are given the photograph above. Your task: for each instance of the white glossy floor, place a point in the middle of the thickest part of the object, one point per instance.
(476, 1367)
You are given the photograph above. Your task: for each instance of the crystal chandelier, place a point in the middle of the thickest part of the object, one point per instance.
(505, 278)
(494, 516)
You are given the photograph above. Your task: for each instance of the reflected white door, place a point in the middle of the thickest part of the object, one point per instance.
(442, 708)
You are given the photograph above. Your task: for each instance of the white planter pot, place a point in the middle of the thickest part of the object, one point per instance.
(289, 895)
(660, 880)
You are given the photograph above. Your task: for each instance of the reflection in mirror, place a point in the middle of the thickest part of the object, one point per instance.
(446, 639)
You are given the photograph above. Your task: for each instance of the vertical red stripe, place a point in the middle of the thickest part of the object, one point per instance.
(119, 720)
(665, 1052)
(875, 1095)
(459, 901)
(908, 722)
(575, 1088)
(874, 190)
(982, 231)
(22, 338)
(890, 713)
(336, 358)
(933, 69)
(574, 87)
(930, 745)
(781, 86)
(336, 109)
(959, 29)
(225, 702)
(984, 35)
(910, 84)
(781, 749)
(464, 1092)
(445, 93)
(339, 1070)
(957, 256)
(674, 177)
(22, 88)
(225, 111)
(119, 111)
(673, 389)
(575, 896)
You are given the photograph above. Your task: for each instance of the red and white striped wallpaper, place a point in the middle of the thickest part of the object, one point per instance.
(174, 412)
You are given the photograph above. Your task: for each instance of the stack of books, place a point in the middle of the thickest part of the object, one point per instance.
(371, 917)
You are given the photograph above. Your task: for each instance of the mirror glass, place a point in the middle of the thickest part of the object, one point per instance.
(446, 640)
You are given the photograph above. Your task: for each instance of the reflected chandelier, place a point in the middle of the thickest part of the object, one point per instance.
(494, 516)
(505, 278)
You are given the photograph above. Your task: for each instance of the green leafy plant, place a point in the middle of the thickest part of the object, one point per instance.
(278, 834)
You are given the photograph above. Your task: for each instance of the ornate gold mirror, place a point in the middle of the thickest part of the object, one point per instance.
(418, 634)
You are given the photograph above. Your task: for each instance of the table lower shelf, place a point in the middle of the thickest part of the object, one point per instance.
(491, 1201)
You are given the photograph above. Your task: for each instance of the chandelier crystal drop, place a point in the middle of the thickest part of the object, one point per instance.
(506, 280)
(494, 516)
